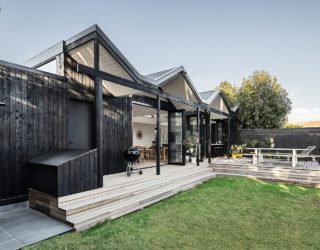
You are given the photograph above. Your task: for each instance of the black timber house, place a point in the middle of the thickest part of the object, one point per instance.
(79, 120)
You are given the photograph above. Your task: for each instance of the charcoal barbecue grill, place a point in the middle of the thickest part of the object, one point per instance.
(131, 155)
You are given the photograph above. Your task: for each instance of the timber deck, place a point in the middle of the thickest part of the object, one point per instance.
(305, 175)
(122, 195)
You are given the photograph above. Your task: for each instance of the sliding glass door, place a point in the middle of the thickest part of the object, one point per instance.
(176, 131)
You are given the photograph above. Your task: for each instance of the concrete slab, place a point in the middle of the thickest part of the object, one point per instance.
(13, 207)
(4, 236)
(10, 245)
(21, 226)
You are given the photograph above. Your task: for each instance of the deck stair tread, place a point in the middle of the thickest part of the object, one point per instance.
(285, 168)
(108, 196)
(275, 171)
(287, 175)
(284, 177)
(119, 213)
(135, 197)
(127, 186)
(117, 208)
(267, 165)
(272, 178)
(83, 195)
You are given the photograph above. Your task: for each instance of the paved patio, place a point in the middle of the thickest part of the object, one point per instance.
(21, 226)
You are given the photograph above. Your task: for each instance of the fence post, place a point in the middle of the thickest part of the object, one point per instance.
(260, 156)
(254, 159)
(294, 158)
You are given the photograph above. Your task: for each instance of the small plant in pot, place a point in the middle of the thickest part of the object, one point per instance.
(187, 143)
(252, 143)
(190, 144)
(234, 151)
(237, 150)
(194, 155)
(241, 148)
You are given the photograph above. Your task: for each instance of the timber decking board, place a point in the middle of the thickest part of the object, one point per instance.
(92, 201)
(132, 203)
(300, 177)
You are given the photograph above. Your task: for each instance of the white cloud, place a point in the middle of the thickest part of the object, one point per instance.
(304, 114)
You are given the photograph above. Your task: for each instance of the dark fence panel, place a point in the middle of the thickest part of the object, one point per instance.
(32, 123)
(284, 137)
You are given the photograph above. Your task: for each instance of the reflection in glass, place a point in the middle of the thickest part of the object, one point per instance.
(176, 137)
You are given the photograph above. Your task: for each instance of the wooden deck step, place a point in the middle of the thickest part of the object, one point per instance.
(128, 183)
(275, 179)
(261, 167)
(91, 217)
(111, 195)
(267, 165)
(270, 175)
(270, 172)
(278, 174)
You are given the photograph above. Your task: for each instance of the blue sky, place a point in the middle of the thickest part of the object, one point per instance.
(214, 40)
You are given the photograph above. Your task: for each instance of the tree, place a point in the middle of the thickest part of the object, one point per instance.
(229, 91)
(263, 103)
(293, 125)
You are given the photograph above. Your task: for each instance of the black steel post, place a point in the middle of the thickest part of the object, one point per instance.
(209, 137)
(98, 94)
(229, 136)
(158, 139)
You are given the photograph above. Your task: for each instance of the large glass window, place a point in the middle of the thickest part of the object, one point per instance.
(219, 132)
(176, 137)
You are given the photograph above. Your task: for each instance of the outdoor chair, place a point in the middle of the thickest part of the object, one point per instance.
(307, 151)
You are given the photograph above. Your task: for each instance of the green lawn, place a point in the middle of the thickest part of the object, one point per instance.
(224, 213)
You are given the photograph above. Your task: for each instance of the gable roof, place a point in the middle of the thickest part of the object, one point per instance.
(205, 95)
(210, 95)
(163, 77)
(160, 74)
(155, 79)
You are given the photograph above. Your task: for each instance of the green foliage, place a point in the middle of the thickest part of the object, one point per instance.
(261, 144)
(252, 143)
(238, 149)
(269, 142)
(263, 103)
(292, 125)
(229, 91)
(190, 142)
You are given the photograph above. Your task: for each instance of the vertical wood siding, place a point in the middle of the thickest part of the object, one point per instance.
(33, 123)
(117, 119)
(117, 133)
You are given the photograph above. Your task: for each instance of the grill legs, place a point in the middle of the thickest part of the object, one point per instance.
(133, 167)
